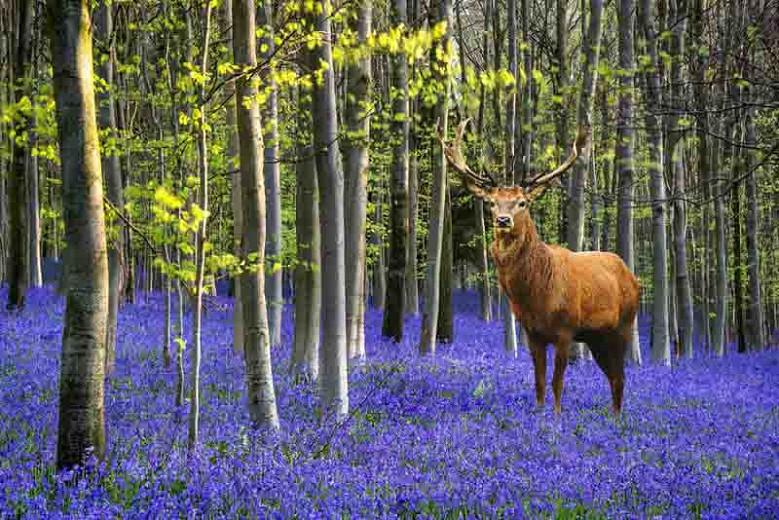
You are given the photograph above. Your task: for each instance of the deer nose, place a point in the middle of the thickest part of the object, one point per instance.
(503, 221)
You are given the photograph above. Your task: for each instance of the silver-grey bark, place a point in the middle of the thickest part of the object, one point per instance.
(357, 120)
(440, 11)
(200, 243)
(334, 385)
(755, 319)
(661, 345)
(272, 169)
(624, 153)
(233, 161)
(575, 223)
(308, 270)
(678, 14)
(113, 177)
(261, 395)
(81, 431)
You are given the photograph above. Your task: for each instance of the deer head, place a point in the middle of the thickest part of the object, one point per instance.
(509, 204)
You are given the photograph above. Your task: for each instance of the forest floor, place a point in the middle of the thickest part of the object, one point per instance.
(453, 436)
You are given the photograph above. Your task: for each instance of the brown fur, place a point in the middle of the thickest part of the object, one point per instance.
(561, 296)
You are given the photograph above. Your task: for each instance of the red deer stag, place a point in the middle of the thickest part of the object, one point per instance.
(559, 296)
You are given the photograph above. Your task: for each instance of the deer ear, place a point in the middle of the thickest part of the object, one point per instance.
(534, 192)
(478, 191)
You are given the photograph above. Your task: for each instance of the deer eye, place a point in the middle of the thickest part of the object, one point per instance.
(522, 203)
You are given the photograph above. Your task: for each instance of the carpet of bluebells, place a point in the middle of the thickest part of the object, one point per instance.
(455, 436)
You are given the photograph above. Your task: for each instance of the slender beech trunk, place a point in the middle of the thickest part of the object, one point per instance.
(113, 178)
(661, 346)
(445, 332)
(34, 210)
(394, 306)
(81, 419)
(624, 154)
(233, 152)
(379, 279)
(591, 51)
(261, 395)
(200, 243)
(737, 167)
(333, 361)
(526, 127)
(357, 118)
(272, 169)
(755, 317)
(561, 60)
(5, 142)
(308, 273)
(440, 11)
(684, 306)
(485, 285)
(699, 64)
(18, 257)
(412, 286)
(509, 321)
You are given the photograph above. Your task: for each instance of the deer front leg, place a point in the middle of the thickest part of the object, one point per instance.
(538, 351)
(560, 363)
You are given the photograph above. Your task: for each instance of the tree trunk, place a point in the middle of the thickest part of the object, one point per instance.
(755, 318)
(333, 362)
(737, 165)
(200, 243)
(509, 321)
(233, 160)
(81, 419)
(398, 248)
(440, 11)
(5, 80)
(308, 274)
(379, 278)
(356, 187)
(678, 14)
(445, 332)
(575, 226)
(272, 169)
(624, 154)
(412, 286)
(700, 95)
(18, 257)
(561, 60)
(256, 340)
(661, 346)
(34, 210)
(113, 178)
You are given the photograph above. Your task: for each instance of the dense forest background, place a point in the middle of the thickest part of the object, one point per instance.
(290, 152)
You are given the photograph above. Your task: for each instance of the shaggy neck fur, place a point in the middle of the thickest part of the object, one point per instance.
(524, 262)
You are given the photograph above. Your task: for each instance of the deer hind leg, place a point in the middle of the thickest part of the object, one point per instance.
(610, 356)
(538, 351)
(560, 363)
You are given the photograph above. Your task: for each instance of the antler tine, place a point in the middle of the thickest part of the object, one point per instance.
(579, 143)
(454, 157)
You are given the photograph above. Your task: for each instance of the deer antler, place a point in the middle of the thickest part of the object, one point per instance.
(579, 143)
(456, 160)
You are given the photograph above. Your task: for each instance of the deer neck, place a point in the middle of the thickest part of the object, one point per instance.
(520, 257)
(510, 246)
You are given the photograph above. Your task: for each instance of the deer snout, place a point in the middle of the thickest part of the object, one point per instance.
(504, 221)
